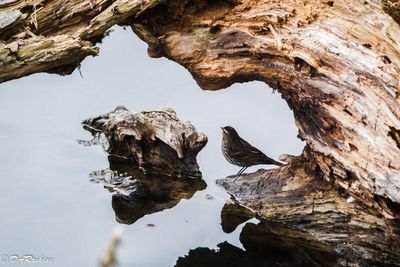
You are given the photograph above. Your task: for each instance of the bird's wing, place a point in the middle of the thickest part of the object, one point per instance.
(247, 147)
(256, 155)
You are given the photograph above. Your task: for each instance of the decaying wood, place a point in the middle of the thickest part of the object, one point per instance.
(337, 70)
(55, 36)
(157, 141)
(336, 63)
(300, 198)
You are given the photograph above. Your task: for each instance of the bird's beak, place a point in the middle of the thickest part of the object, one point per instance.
(223, 129)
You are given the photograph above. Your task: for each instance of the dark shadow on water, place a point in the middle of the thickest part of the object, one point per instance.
(232, 215)
(265, 244)
(136, 194)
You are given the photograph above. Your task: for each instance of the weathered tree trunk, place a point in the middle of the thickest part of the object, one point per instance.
(336, 63)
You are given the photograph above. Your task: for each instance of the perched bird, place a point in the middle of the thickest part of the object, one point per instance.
(239, 152)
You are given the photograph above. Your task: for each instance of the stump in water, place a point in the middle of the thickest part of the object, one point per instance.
(152, 160)
(157, 141)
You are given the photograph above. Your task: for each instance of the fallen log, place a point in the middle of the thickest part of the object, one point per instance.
(337, 64)
(296, 195)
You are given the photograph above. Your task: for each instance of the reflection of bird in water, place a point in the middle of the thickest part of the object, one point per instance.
(239, 152)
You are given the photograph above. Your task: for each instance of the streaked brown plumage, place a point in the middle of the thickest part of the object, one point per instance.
(239, 152)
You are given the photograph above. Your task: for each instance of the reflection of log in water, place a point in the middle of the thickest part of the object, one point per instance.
(137, 194)
(265, 244)
(232, 215)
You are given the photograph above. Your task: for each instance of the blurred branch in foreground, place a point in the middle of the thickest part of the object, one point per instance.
(109, 258)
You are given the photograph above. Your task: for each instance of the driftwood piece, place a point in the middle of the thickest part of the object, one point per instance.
(157, 141)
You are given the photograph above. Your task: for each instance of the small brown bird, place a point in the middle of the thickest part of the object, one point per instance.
(239, 152)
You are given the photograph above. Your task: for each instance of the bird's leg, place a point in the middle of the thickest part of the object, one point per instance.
(242, 170)
(238, 174)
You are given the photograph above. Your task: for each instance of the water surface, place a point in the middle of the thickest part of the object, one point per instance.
(48, 204)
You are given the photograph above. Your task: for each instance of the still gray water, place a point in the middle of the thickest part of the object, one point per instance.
(48, 205)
